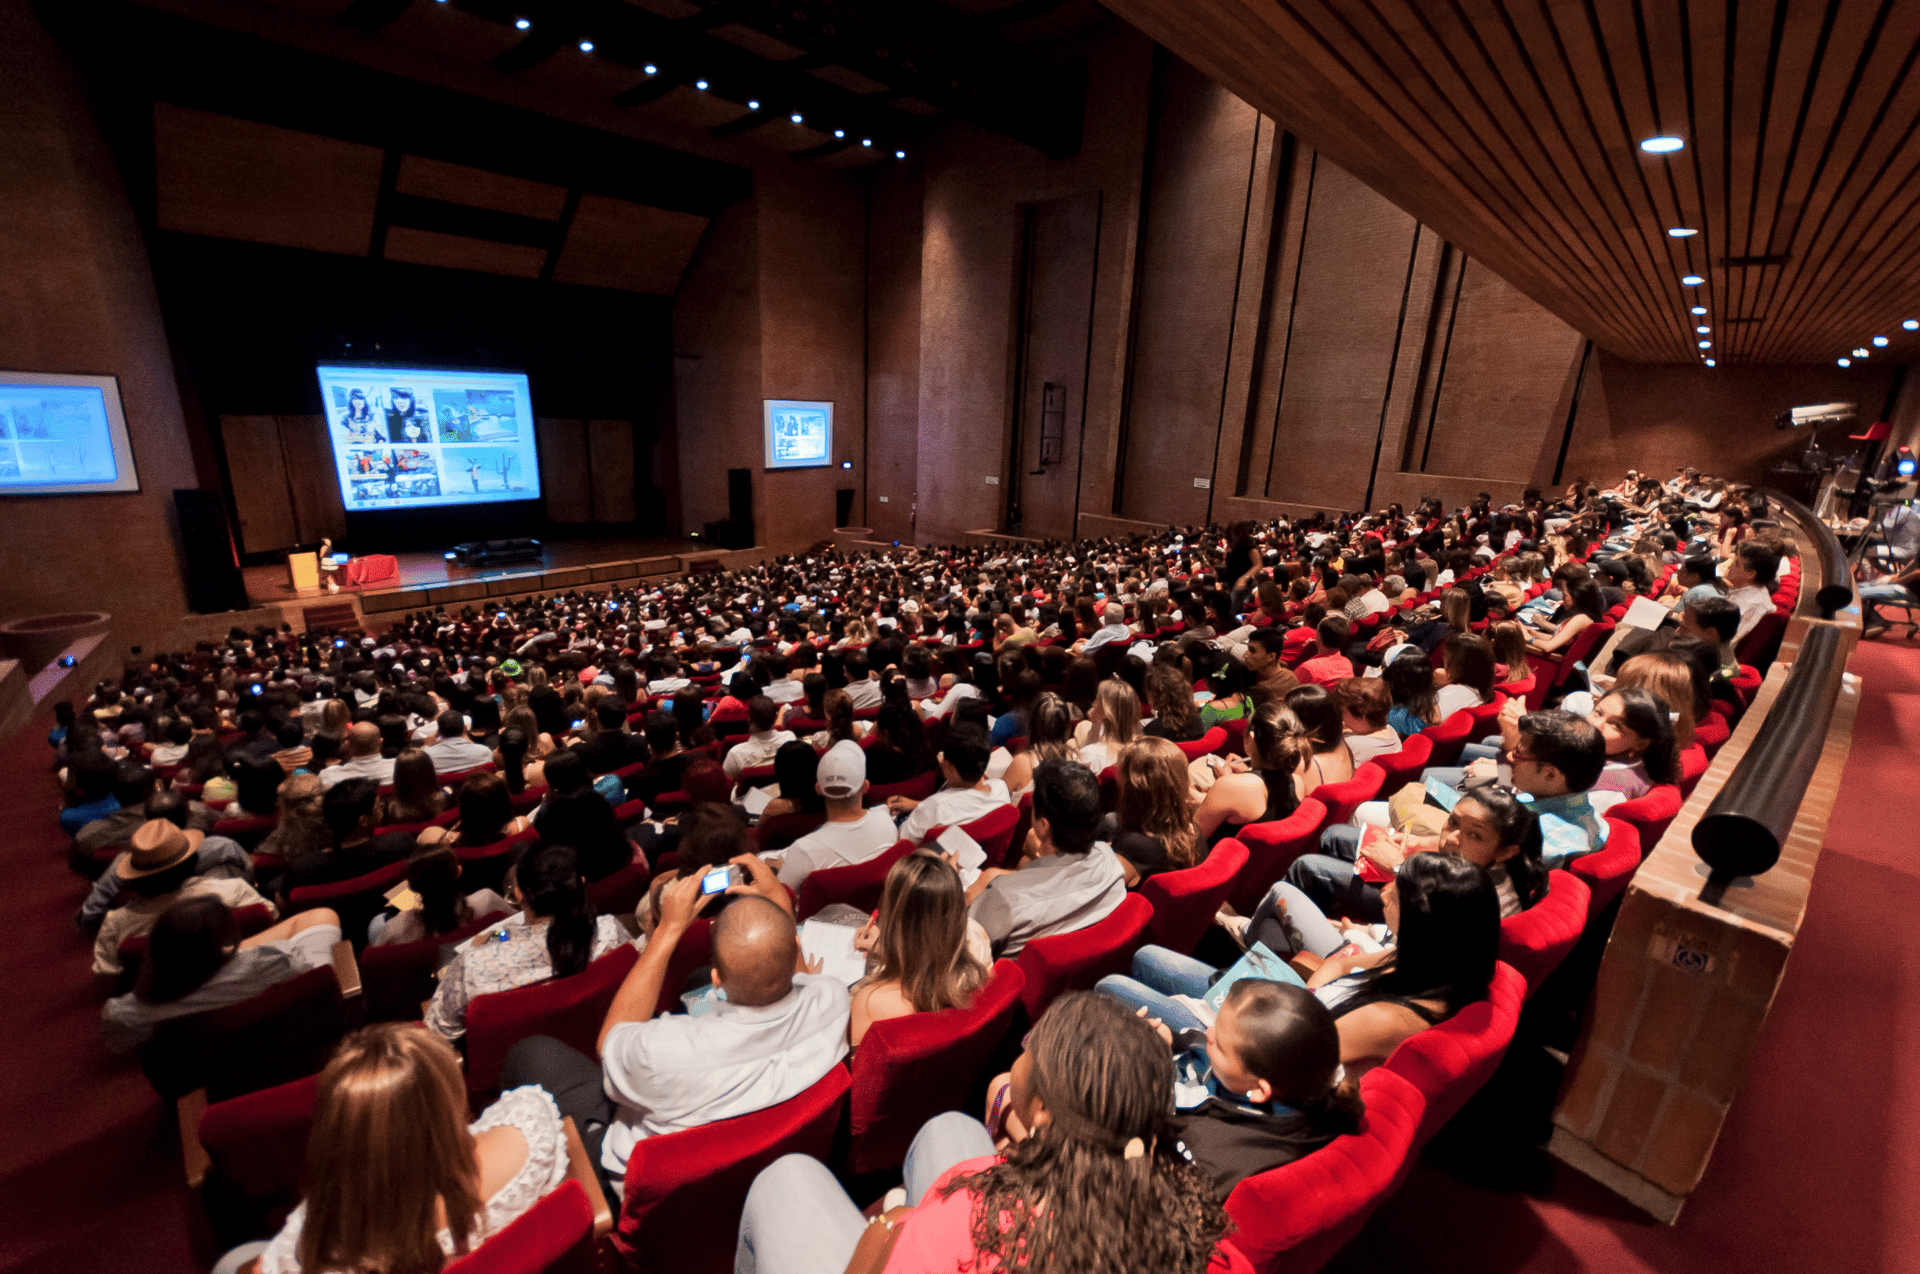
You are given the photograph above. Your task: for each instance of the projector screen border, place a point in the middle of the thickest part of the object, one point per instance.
(771, 407)
(126, 478)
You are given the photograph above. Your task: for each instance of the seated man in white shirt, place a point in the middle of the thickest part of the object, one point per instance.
(452, 751)
(861, 687)
(1076, 881)
(776, 1034)
(1114, 628)
(968, 794)
(363, 758)
(1750, 573)
(851, 834)
(761, 742)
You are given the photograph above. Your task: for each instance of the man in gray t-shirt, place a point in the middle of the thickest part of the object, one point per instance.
(1077, 880)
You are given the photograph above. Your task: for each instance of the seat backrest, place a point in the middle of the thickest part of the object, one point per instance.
(782, 830)
(1450, 1061)
(256, 1148)
(993, 832)
(1486, 717)
(556, 1231)
(684, 1190)
(1693, 767)
(694, 949)
(397, 978)
(1074, 961)
(1746, 684)
(285, 1032)
(909, 1069)
(620, 893)
(857, 885)
(1271, 849)
(917, 788)
(1184, 902)
(485, 866)
(1607, 870)
(1342, 799)
(1650, 814)
(358, 900)
(1207, 744)
(1236, 744)
(1539, 938)
(1401, 768)
(1296, 1216)
(569, 1009)
(1448, 737)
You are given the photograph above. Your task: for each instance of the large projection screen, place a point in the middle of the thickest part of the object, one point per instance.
(426, 437)
(799, 433)
(63, 435)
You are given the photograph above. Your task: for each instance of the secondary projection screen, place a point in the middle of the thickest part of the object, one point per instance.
(421, 437)
(63, 435)
(799, 434)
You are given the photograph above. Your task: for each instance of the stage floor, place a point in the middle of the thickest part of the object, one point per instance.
(269, 584)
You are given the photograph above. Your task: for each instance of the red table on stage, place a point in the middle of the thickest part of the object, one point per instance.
(371, 569)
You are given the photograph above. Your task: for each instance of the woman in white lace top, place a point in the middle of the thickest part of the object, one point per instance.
(400, 1180)
(555, 935)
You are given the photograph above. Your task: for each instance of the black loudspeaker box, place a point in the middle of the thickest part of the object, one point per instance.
(740, 507)
(214, 581)
(843, 507)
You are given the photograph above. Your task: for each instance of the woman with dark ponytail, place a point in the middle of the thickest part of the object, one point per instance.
(556, 935)
(1100, 1184)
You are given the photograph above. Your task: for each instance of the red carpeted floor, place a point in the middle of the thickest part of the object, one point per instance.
(1818, 1167)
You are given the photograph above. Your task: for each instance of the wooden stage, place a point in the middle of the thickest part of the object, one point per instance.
(428, 579)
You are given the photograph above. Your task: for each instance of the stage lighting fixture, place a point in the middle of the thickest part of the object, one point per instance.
(1682, 232)
(1880, 341)
(1661, 145)
(1691, 280)
(521, 24)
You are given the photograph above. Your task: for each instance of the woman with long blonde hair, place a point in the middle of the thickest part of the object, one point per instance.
(1153, 818)
(398, 1180)
(1669, 679)
(1113, 723)
(928, 955)
(301, 831)
(1049, 738)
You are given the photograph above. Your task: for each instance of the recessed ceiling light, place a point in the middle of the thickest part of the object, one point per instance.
(586, 46)
(1880, 340)
(1661, 145)
(1692, 280)
(1912, 325)
(521, 24)
(701, 85)
(866, 141)
(795, 117)
(752, 105)
(1699, 309)
(651, 69)
(899, 154)
(1844, 362)
(1706, 344)
(1862, 352)
(839, 132)
(1710, 362)
(1703, 330)
(1682, 232)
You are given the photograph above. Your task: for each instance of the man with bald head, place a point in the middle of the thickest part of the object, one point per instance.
(774, 1030)
(363, 758)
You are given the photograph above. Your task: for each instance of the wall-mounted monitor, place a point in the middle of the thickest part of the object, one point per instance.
(426, 437)
(63, 435)
(799, 434)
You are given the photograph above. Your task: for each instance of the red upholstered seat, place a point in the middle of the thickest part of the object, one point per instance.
(1403, 767)
(248, 830)
(1607, 870)
(909, 1069)
(1295, 1217)
(858, 885)
(1271, 849)
(1693, 766)
(1450, 1061)
(993, 832)
(1713, 733)
(1210, 742)
(569, 1009)
(1519, 689)
(620, 893)
(1539, 938)
(1342, 799)
(1184, 902)
(256, 1148)
(918, 788)
(397, 979)
(485, 866)
(753, 776)
(555, 1234)
(358, 900)
(1075, 961)
(1757, 649)
(628, 813)
(782, 830)
(1236, 744)
(286, 1032)
(684, 1190)
(1448, 737)
(1746, 684)
(1550, 670)
(694, 949)
(1650, 814)
(1486, 717)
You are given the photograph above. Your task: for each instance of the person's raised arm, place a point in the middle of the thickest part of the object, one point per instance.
(639, 995)
(761, 880)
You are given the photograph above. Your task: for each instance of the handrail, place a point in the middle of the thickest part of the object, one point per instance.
(1742, 830)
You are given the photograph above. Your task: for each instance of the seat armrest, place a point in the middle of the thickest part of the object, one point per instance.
(193, 1155)
(581, 1168)
(346, 969)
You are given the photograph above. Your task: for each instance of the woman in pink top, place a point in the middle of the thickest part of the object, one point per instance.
(1092, 1087)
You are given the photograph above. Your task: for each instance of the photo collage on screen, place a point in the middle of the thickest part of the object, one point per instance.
(54, 435)
(401, 441)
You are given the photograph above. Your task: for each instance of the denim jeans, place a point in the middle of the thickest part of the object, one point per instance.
(1158, 976)
(1898, 594)
(798, 1219)
(1332, 887)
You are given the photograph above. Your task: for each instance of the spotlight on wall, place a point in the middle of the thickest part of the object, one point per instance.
(1661, 145)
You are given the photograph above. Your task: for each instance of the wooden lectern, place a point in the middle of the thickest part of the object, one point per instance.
(303, 570)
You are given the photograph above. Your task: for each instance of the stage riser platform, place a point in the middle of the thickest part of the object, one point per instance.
(526, 583)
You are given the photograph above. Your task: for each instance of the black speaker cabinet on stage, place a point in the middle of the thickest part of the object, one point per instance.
(843, 506)
(740, 507)
(214, 581)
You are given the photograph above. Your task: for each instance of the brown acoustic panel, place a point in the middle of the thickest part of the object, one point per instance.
(850, 80)
(1061, 248)
(563, 469)
(667, 8)
(457, 593)
(690, 106)
(610, 463)
(574, 577)
(311, 481)
(395, 599)
(755, 42)
(506, 586)
(459, 252)
(615, 571)
(235, 179)
(258, 473)
(457, 183)
(616, 244)
(650, 566)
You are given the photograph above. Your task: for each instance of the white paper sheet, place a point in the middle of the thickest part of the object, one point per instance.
(833, 946)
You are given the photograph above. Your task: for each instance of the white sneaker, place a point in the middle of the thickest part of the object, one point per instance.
(1236, 927)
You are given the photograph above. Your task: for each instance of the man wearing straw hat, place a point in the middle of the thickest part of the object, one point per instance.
(156, 872)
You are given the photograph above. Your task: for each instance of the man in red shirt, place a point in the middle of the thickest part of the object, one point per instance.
(1330, 663)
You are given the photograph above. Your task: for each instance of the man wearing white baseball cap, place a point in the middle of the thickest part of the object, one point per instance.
(851, 834)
